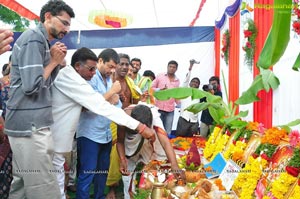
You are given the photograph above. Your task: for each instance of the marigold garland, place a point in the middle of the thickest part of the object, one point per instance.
(274, 135)
(235, 151)
(210, 144)
(253, 126)
(281, 185)
(220, 144)
(248, 177)
(296, 192)
(250, 34)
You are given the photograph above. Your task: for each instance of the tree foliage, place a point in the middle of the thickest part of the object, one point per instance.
(10, 17)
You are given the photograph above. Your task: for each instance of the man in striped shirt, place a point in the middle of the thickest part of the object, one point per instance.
(35, 64)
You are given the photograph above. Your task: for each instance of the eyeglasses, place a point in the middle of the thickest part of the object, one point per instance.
(90, 68)
(124, 64)
(64, 22)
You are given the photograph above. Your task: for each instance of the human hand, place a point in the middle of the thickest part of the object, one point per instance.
(58, 52)
(145, 96)
(179, 174)
(6, 37)
(149, 134)
(116, 87)
(123, 166)
(114, 99)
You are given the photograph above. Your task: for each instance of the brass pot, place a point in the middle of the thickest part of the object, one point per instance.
(158, 191)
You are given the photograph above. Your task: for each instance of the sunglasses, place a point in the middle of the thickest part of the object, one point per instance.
(64, 22)
(90, 68)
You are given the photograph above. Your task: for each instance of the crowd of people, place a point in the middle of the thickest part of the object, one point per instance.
(68, 126)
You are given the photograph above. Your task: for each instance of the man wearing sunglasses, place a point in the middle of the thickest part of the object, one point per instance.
(35, 64)
(72, 93)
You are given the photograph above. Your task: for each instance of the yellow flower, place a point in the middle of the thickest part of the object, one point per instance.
(296, 193)
(249, 176)
(281, 185)
(210, 144)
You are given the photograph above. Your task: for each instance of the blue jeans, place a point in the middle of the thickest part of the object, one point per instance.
(167, 119)
(94, 159)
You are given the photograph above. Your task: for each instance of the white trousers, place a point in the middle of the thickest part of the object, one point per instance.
(32, 167)
(58, 164)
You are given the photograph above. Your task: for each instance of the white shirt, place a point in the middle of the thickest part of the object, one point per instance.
(184, 103)
(70, 93)
(149, 151)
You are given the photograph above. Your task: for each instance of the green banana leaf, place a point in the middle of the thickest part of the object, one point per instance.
(278, 36)
(296, 65)
(179, 93)
(288, 126)
(264, 81)
(215, 105)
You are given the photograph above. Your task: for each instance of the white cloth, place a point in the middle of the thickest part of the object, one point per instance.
(58, 164)
(70, 93)
(148, 151)
(33, 175)
(155, 151)
(184, 103)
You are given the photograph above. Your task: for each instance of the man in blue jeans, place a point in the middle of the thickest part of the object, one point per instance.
(94, 138)
(167, 107)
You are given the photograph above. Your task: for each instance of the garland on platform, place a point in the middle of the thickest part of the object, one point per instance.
(248, 177)
(281, 185)
(250, 34)
(210, 144)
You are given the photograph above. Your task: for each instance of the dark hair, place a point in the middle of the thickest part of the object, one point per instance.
(142, 114)
(136, 59)
(196, 78)
(214, 78)
(109, 54)
(122, 55)
(82, 55)
(5, 70)
(55, 7)
(149, 73)
(173, 62)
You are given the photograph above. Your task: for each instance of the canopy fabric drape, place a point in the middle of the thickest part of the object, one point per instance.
(263, 18)
(234, 58)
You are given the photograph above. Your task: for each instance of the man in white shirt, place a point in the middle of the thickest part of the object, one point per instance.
(188, 123)
(71, 93)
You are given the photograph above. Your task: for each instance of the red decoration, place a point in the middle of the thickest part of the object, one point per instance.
(296, 13)
(18, 8)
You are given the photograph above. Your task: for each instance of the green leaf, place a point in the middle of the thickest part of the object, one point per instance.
(288, 126)
(278, 36)
(296, 65)
(8, 16)
(249, 96)
(217, 114)
(196, 108)
(265, 80)
(229, 120)
(238, 124)
(269, 79)
(179, 93)
(294, 123)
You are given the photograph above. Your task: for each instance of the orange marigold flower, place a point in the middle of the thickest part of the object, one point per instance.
(253, 126)
(274, 135)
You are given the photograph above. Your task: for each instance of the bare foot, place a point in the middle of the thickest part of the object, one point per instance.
(111, 194)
